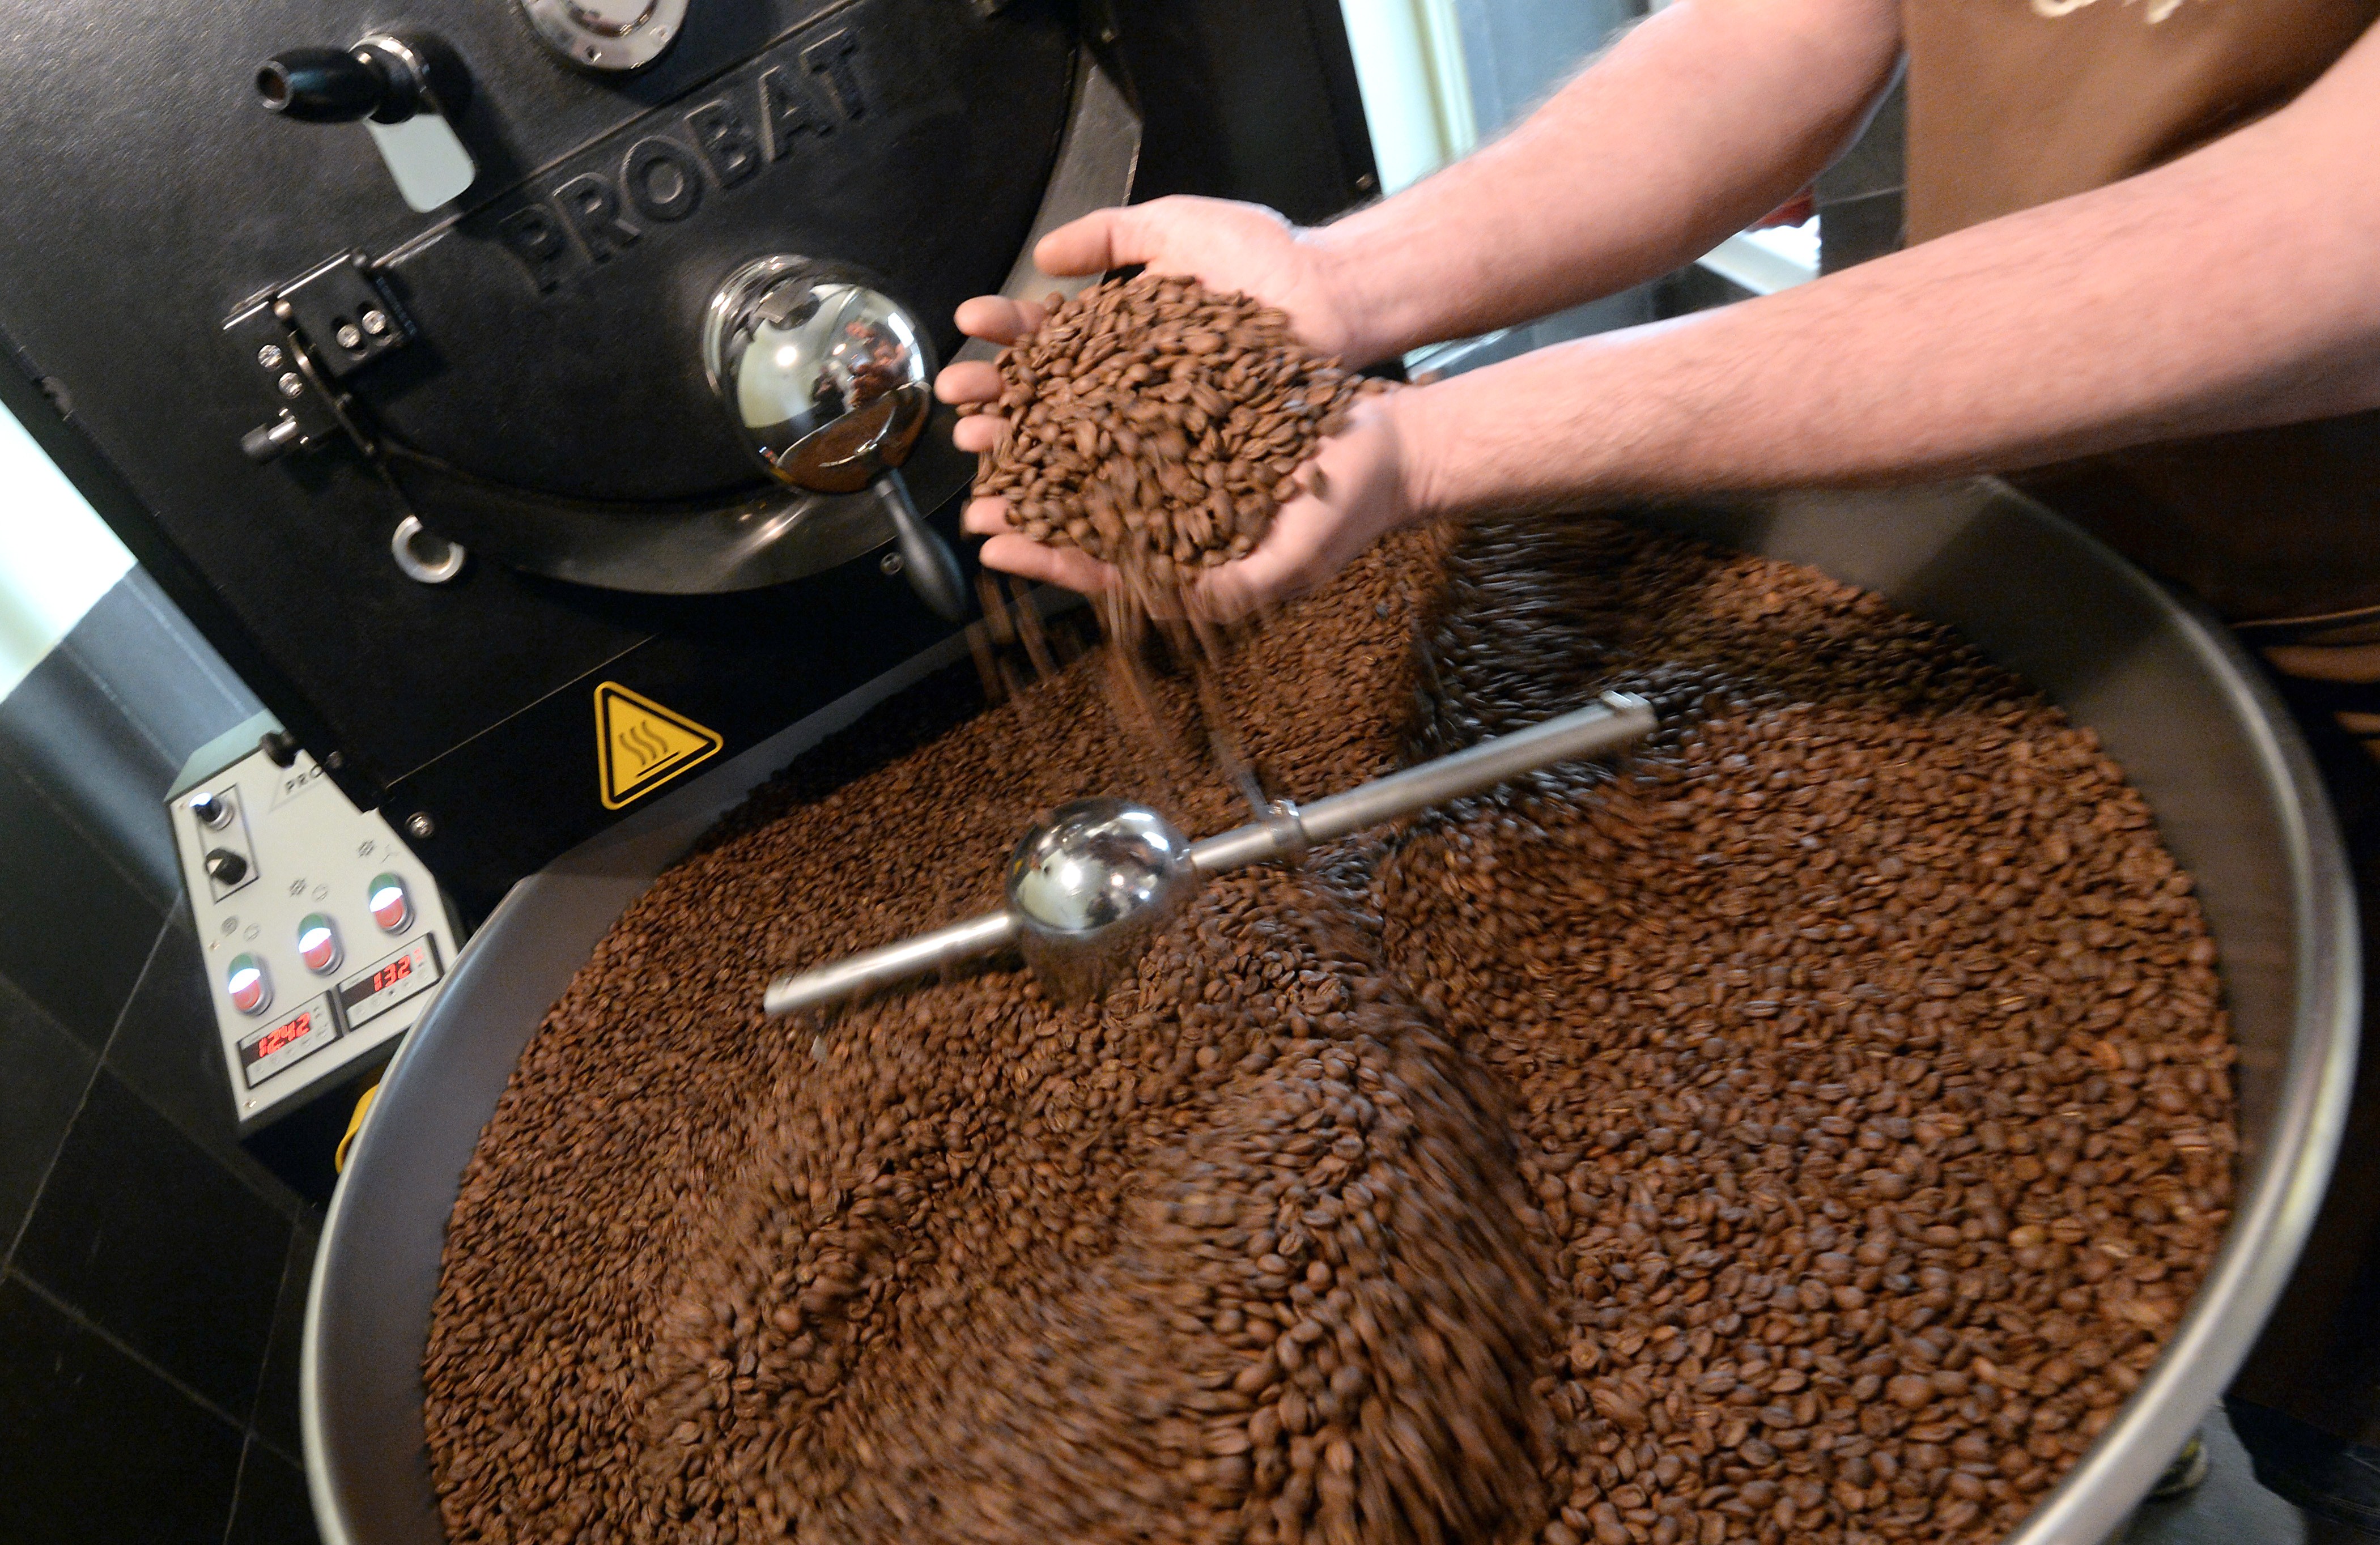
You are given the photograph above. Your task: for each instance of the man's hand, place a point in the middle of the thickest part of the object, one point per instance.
(1359, 489)
(1224, 246)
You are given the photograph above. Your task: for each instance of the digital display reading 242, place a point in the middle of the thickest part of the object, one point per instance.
(374, 990)
(265, 1053)
(285, 1035)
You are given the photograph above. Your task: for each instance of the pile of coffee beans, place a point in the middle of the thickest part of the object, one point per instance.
(1809, 1131)
(1874, 1086)
(1156, 423)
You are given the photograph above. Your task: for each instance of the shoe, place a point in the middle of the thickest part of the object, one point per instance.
(2185, 1475)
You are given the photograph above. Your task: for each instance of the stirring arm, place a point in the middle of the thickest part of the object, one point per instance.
(894, 962)
(1617, 720)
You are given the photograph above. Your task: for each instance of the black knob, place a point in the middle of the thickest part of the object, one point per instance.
(213, 809)
(339, 85)
(227, 867)
(279, 745)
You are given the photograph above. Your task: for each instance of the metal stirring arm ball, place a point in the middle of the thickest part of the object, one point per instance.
(1088, 887)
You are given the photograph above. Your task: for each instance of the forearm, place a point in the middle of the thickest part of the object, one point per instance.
(2231, 289)
(1700, 120)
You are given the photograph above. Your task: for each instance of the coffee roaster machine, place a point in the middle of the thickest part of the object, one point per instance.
(378, 328)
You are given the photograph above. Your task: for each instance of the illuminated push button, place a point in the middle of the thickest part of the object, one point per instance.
(212, 810)
(252, 990)
(390, 906)
(318, 945)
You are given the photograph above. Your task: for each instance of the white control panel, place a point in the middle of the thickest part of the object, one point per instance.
(324, 937)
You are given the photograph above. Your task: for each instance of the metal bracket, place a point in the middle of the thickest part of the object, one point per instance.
(307, 337)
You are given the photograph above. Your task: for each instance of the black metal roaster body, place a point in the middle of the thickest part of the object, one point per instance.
(313, 306)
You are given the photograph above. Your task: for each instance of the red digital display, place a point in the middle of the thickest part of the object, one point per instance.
(268, 1052)
(281, 1035)
(407, 974)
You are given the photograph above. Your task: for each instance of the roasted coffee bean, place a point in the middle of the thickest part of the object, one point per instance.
(1811, 1128)
(1155, 424)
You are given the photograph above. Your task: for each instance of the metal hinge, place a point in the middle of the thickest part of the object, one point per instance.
(306, 338)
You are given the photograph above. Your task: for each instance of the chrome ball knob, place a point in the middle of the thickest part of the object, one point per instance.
(797, 348)
(1090, 884)
(826, 379)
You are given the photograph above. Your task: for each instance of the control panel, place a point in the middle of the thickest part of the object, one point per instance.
(325, 939)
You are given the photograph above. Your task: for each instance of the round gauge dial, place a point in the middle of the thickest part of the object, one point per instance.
(607, 34)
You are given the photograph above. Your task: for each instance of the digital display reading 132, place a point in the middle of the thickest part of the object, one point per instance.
(371, 993)
(380, 981)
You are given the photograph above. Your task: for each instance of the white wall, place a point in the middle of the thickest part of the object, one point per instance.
(56, 556)
(1417, 95)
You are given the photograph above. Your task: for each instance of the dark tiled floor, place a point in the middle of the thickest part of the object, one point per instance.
(64, 730)
(167, 1049)
(43, 1072)
(159, 670)
(93, 1446)
(73, 931)
(272, 1509)
(159, 1247)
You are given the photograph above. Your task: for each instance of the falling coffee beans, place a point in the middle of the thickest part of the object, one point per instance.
(1157, 425)
(1810, 1131)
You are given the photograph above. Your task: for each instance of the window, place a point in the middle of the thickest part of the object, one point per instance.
(56, 556)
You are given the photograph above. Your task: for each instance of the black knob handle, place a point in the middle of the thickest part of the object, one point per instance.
(323, 85)
(227, 867)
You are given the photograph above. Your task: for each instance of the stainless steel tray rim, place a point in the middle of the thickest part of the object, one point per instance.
(2270, 1224)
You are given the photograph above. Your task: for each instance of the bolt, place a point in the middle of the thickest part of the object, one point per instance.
(270, 357)
(292, 384)
(334, 761)
(351, 337)
(890, 563)
(376, 322)
(420, 827)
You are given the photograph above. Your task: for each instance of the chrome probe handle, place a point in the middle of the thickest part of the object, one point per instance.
(881, 968)
(1619, 718)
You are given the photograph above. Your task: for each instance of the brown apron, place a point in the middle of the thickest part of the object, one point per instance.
(2017, 102)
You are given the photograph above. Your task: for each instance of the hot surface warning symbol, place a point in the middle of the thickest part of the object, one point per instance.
(641, 745)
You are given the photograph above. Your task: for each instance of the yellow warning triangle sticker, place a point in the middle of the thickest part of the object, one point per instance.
(639, 745)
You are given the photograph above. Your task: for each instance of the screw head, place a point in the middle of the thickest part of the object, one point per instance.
(890, 563)
(270, 357)
(292, 384)
(350, 336)
(376, 322)
(420, 827)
